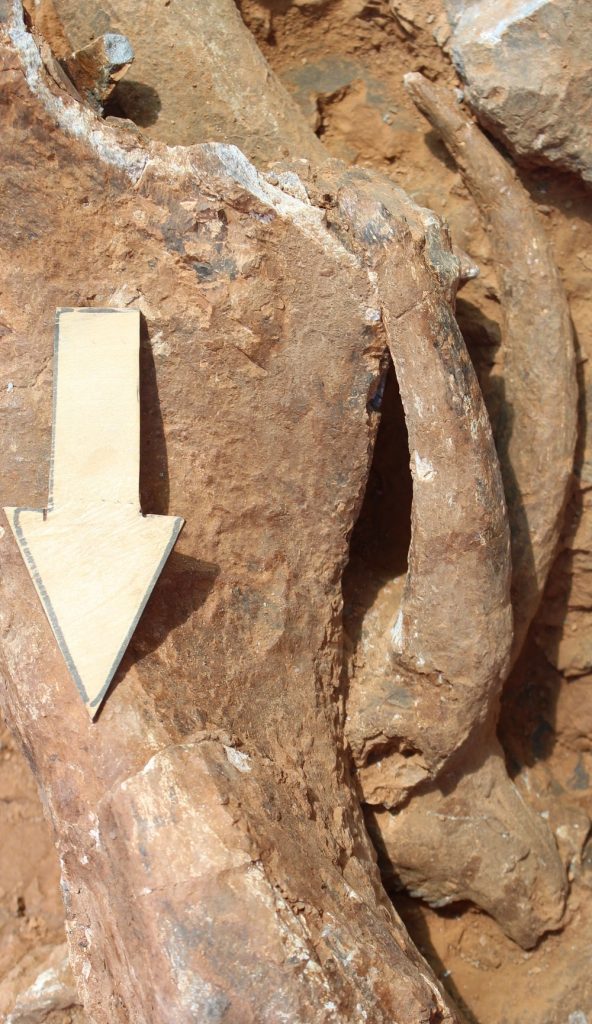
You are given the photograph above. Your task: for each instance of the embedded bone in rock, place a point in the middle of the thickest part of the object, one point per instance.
(78, 20)
(431, 675)
(416, 698)
(533, 402)
(526, 68)
(214, 858)
(423, 738)
(97, 68)
(207, 64)
(470, 837)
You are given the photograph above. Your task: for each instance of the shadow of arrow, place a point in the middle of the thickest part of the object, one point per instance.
(154, 463)
(185, 582)
(182, 589)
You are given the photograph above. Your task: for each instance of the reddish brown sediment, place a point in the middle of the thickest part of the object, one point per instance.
(214, 857)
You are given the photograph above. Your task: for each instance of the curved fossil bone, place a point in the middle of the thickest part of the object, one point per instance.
(470, 836)
(423, 700)
(432, 683)
(536, 424)
(204, 876)
(518, 878)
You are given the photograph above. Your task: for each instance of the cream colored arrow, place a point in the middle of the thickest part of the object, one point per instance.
(92, 555)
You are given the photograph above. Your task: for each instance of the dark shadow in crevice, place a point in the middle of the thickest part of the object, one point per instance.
(154, 465)
(182, 589)
(134, 100)
(381, 537)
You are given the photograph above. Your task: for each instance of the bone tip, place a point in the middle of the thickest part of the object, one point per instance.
(468, 269)
(118, 48)
(412, 80)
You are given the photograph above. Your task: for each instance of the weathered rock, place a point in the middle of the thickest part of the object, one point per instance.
(510, 864)
(526, 67)
(198, 59)
(214, 859)
(40, 988)
(457, 585)
(98, 67)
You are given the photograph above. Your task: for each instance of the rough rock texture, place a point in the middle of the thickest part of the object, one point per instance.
(40, 988)
(437, 630)
(31, 909)
(438, 681)
(214, 860)
(471, 837)
(527, 72)
(199, 59)
(380, 127)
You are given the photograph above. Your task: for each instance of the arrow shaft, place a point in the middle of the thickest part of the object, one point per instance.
(96, 422)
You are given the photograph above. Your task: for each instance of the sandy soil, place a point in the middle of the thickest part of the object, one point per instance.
(344, 61)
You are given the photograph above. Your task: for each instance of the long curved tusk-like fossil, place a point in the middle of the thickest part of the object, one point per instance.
(433, 679)
(536, 428)
(468, 834)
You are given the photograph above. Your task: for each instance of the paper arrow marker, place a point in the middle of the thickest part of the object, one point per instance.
(92, 555)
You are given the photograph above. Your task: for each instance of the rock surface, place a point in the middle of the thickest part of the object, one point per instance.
(41, 989)
(214, 859)
(430, 667)
(204, 84)
(458, 580)
(527, 72)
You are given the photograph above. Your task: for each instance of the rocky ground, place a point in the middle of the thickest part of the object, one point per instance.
(344, 62)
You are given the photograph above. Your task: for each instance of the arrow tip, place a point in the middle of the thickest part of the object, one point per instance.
(94, 570)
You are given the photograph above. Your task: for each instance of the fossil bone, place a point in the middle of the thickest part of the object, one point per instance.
(536, 422)
(536, 455)
(153, 714)
(214, 857)
(98, 67)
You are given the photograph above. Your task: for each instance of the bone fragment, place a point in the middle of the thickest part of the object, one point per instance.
(98, 67)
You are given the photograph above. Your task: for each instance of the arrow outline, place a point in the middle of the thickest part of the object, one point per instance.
(177, 526)
(53, 620)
